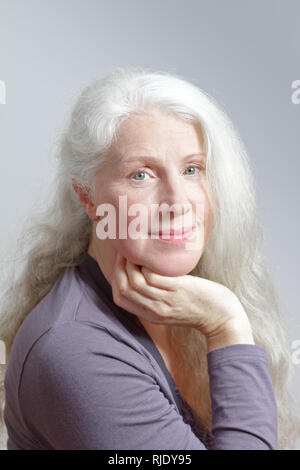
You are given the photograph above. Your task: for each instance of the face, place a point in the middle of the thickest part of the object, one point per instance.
(175, 174)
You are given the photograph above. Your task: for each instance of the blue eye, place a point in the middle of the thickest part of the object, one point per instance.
(194, 166)
(139, 173)
(142, 172)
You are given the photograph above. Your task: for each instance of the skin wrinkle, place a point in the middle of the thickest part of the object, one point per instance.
(174, 144)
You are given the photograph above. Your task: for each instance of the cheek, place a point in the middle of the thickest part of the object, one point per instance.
(208, 220)
(111, 196)
(122, 220)
(205, 213)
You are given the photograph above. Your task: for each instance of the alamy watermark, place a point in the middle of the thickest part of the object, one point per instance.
(2, 92)
(2, 352)
(296, 353)
(186, 230)
(296, 94)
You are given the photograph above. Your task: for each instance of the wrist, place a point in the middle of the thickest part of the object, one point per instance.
(234, 331)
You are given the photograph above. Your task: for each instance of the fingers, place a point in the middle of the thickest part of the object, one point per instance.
(122, 290)
(138, 310)
(138, 282)
(161, 282)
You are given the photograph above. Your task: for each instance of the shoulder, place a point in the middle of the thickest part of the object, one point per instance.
(87, 389)
(73, 345)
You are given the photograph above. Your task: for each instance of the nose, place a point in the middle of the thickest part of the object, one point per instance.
(174, 199)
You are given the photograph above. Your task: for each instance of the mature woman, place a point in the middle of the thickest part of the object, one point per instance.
(147, 342)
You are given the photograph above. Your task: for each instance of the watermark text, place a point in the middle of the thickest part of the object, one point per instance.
(296, 94)
(2, 92)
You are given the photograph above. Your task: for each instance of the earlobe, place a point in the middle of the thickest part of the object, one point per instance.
(89, 207)
(95, 218)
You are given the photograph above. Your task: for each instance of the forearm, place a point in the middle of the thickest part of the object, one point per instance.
(235, 331)
(244, 412)
(243, 403)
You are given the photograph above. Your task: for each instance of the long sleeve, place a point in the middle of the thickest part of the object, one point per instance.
(243, 403)
(83, 388)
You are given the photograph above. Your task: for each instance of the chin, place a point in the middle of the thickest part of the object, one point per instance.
(172, 268)
(164, 262)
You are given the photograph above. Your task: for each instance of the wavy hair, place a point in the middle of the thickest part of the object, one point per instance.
(58, 235)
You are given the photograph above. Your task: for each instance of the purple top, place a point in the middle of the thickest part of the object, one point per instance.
(84, 374)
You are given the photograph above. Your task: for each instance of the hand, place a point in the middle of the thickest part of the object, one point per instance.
(180, 300)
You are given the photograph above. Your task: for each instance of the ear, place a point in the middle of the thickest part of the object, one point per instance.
(84, 200)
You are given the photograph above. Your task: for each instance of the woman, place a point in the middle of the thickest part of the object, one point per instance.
(141, 342)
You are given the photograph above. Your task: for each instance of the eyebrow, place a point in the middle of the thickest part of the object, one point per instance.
(154, 159)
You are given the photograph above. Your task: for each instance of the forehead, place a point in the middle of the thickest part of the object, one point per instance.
(155, 134)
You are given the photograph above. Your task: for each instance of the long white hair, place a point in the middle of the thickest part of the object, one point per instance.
(59, 234)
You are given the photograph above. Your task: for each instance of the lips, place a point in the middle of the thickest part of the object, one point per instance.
(180, 231)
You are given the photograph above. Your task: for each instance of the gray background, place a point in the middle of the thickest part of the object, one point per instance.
(244, 53)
